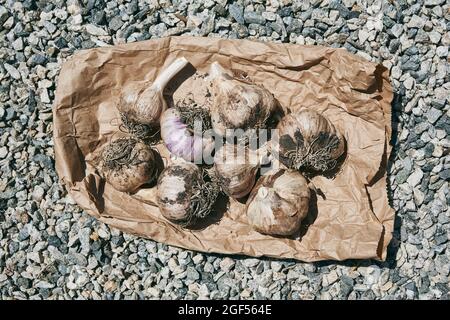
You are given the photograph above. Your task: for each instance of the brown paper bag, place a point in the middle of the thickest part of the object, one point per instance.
(354, 221)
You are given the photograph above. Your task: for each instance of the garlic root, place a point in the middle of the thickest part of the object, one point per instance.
(185, 193)
(128, 164)
(309, 142)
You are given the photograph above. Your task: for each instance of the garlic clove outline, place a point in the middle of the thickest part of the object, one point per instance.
(278, 203)
(236, 167)
(309, 142)
(238, 104)
(180, 141)
(128, 164)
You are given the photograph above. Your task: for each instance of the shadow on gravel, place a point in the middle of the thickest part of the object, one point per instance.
(393, 247)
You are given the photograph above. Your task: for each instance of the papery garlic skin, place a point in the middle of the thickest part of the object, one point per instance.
(183, 195)
(308, 141)
(175, 185)
(180, 141)
(141, 169)
(236, 167)
(144, 104)
(238, 104)
(278, 203)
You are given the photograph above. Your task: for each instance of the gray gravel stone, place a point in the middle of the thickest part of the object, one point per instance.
(227, 264)
(442, 51)
(38, 193)
(412, 64)
(115, 23)
(192, 274)
(51, 28)
(18, 44)
(37, 59)
(237, 12)
(433, 2)
(3, 152)
(396, 30)
(98, 17)
(96, 31)
(416, 22)
(12, 71)
(60, 43)
(3, 14)
(433, 115)
(435, 37)
(158, 30)
(415, 178)
(422, 36)
(445, 174)
(253, 17)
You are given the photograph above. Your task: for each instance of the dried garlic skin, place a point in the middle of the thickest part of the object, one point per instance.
(238, 104)
(183, 195)
(175, 184)
(236, 169)
(128, 164)
(144, 103)
(278, 203)
(308, 141)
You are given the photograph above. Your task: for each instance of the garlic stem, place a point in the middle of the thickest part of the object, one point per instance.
(168, 73)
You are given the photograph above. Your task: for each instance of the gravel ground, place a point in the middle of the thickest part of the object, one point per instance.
(49, 248)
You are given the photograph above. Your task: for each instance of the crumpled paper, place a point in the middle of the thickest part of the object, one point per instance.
(352, 220)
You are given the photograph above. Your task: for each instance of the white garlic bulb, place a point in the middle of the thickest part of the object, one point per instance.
(278, 203)
(236, 167)
(238, 104)
(183, 193)
(128, 164)
(144, 104)
(308, 141)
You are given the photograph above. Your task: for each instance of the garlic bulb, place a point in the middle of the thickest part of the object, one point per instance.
(278, 203)
(181, 141)
(238, 104)
(236, 167)
(308, 141)
(185, 193)
(128, 164)
(144, 105)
